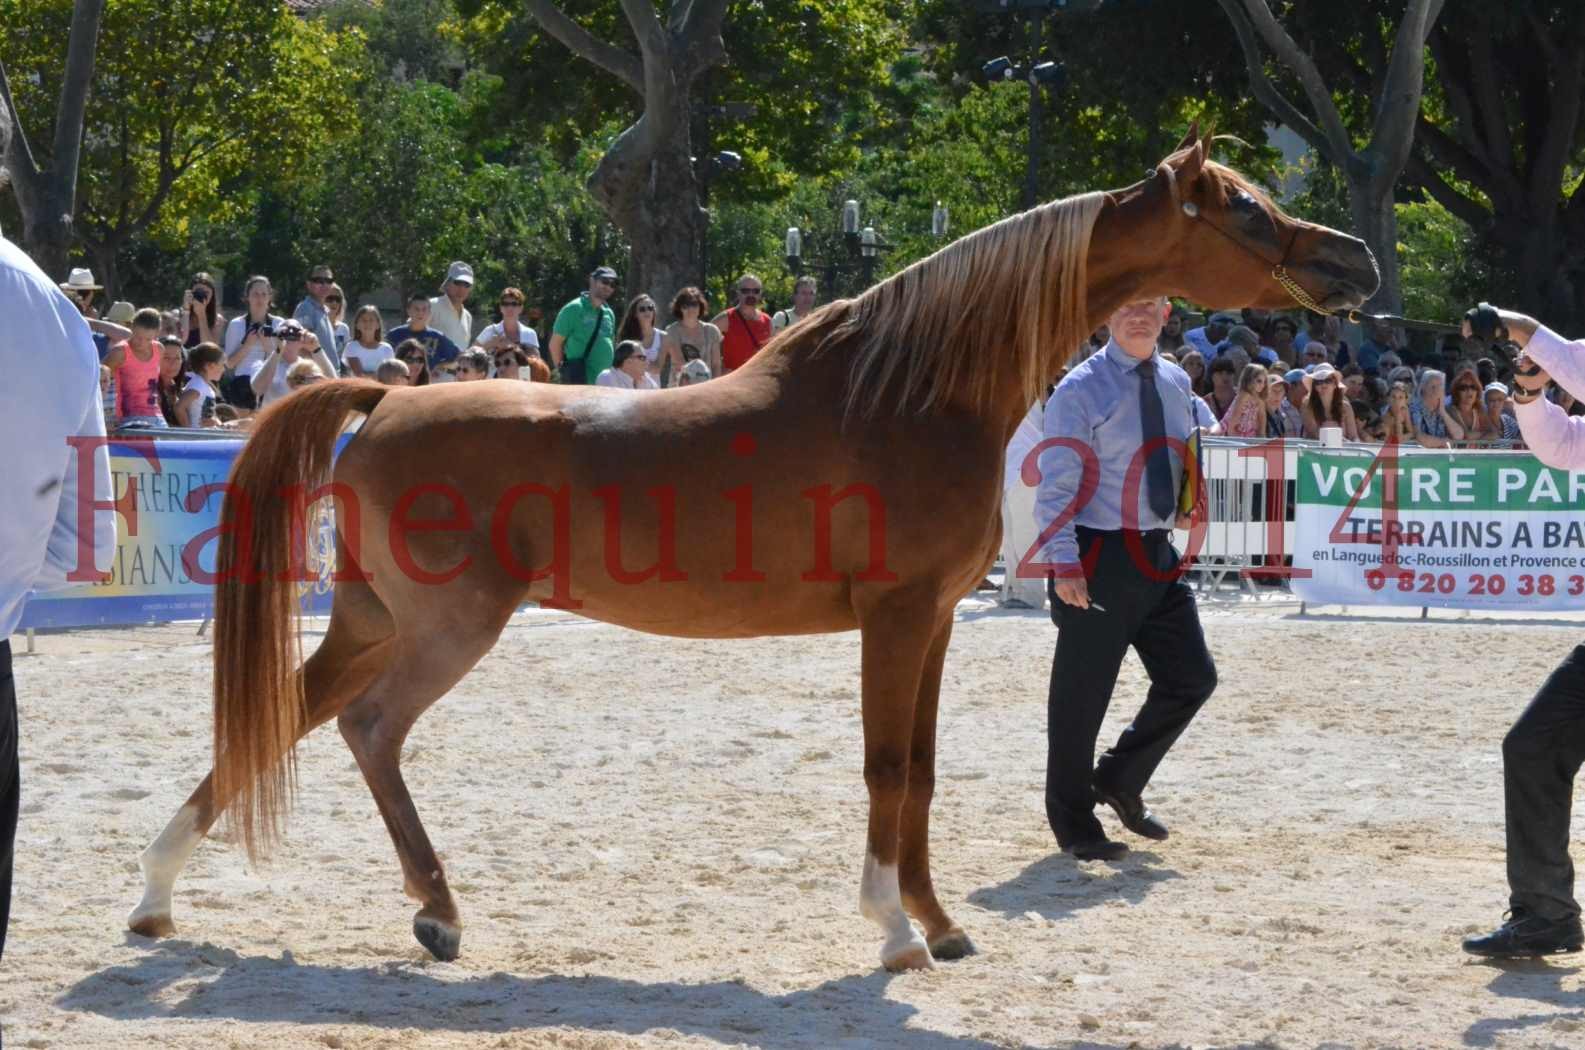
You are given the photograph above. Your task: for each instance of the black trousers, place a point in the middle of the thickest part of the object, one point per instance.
(1540, 756)
(1157, 616)
(10, 784)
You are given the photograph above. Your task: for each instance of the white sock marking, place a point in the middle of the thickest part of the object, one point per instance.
(164, 860)
(881, 901)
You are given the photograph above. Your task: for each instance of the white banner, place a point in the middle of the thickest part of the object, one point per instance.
(1456, 530)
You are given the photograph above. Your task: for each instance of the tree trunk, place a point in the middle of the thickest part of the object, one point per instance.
(47, 233)
(666, 229)
(646, 184)
(1376, 223)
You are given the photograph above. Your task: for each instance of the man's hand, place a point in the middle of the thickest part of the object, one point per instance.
(1074, 591)
(1530, 382)
(1491, 325)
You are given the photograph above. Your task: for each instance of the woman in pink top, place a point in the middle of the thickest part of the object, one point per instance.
(1246, 416)
(136, 364)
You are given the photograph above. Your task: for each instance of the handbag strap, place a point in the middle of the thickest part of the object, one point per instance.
(599, 323)
(747, 328)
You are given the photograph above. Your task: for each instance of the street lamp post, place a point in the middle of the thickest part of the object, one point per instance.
(1039, 74)
(855, 250)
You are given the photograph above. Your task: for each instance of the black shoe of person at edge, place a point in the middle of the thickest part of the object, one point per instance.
(1130, 809)
(1524, 935)
(1098, 847)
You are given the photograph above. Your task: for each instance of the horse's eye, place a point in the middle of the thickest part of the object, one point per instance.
(1243, 201)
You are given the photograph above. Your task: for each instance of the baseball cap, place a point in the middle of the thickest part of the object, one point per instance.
(321, 271)
(1294, 375)
(1226, 317)
(459, 271)
(603, 273)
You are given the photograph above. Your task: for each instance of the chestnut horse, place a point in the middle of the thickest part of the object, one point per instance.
(849, 476)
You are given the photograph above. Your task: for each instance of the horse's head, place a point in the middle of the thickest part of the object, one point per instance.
(1219, 240)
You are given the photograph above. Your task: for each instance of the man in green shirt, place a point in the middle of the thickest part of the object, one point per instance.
(581, 342)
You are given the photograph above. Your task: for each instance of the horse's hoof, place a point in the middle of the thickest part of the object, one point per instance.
(154, 926)
(910, 954)
(954, 944)
(443, 940)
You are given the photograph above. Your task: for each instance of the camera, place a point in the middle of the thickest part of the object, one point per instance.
(290, 330)
(200, 294)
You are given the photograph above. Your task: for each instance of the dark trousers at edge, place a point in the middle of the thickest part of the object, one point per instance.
(1159, 619)
(1540, 756)
(10, 784)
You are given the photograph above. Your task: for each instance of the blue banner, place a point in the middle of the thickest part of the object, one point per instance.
(168, 497)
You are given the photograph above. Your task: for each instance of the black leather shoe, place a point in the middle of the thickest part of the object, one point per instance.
(1101, 848)
(1130, 809)
(1524, 935)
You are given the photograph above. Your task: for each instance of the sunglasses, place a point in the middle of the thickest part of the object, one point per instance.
(748, 291)
(321, 280)
(333, 299)
(645, 309)
(510, 302)
(605, 281)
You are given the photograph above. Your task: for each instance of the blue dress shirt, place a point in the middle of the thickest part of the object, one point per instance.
(1097, 404)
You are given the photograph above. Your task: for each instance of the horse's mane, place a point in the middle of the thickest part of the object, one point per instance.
(988, 306)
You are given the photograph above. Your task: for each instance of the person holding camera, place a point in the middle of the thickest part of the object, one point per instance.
(248, 340)
(200, 319)
(1545, 747)
(294, 343)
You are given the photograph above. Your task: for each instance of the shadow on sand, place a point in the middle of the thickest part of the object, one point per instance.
(183, 980)
(1057, 886)
(1540, 981)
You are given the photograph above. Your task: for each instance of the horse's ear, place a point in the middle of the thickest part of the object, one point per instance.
(1191, 138)
(1194, 163)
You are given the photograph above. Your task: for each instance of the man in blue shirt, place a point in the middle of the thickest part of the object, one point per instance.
(312, 314)
(440, 349)
(1112, 463)
(47, 478)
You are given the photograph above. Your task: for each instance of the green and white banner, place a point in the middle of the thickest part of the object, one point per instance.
(1457, 530)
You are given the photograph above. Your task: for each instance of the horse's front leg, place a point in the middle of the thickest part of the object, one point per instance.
(896, 635)
(945, 937)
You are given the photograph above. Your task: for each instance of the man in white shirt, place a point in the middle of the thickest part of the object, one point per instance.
(40, 545)
(803, 305)
(447, 313)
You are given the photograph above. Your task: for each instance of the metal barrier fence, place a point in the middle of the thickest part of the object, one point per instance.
(1245, 496)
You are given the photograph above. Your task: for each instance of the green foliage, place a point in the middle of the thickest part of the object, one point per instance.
(192, 100)
(1439, 263)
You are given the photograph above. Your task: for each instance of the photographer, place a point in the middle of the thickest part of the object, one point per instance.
(1545, 747)
(269, 377)
(248, 341)
(201, 320)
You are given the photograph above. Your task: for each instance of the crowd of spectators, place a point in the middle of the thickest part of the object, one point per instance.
(1262, 375)
(201, 365)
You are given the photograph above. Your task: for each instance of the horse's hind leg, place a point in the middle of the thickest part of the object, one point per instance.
(945, 937)
(375, 727)
(355, 648)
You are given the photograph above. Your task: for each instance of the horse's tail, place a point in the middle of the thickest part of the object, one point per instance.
(260, 711)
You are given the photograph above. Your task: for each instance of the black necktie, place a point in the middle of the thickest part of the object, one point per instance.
(1158, 464)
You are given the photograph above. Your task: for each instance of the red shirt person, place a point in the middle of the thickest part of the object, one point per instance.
(745, 328)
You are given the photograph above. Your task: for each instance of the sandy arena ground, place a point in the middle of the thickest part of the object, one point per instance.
(657, 844)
